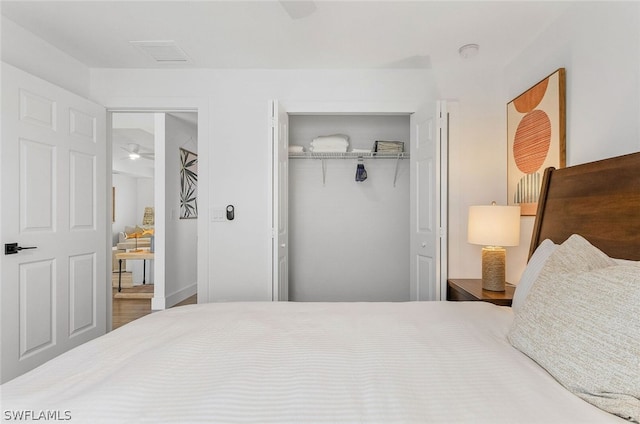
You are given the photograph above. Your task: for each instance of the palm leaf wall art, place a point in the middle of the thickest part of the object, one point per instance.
(188, 184)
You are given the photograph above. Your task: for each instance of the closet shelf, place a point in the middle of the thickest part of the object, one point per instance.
(348, 155)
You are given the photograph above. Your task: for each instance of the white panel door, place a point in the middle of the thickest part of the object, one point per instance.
(426, 203)
(54, 196)
(280, 184)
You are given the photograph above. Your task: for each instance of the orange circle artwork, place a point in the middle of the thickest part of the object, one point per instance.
(532, 141)
(531, 99)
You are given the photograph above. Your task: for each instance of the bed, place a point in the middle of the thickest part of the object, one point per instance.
(405, 362)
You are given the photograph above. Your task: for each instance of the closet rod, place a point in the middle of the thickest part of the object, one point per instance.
(348, 155)
(360, 156)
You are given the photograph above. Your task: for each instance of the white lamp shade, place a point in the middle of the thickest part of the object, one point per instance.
(494, 225)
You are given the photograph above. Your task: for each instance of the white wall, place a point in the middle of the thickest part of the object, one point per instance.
(145, 198)
(132, 196)
(348, 240)
(34, 55)
(125, 203)
(180, 234)
(599, 45)
(240, 151)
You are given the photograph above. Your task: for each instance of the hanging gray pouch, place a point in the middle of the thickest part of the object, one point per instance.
(361, 173)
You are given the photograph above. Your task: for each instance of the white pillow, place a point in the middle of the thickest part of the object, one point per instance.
(581, 322)
(531, 272)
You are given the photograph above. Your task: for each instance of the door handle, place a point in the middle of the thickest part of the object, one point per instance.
(11, 248)
(283, 245)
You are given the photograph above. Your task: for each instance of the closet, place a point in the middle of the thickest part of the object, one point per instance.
(349, 240)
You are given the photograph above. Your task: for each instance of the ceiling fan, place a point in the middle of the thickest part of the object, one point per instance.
(134, 153)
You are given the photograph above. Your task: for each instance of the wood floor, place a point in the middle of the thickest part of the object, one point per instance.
(126, 310)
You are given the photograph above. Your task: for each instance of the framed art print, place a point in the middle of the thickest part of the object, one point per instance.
(536, 139)
(188, 184)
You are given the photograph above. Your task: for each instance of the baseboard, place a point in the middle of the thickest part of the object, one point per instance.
(174, 298)
(161, 303)
(181, 295)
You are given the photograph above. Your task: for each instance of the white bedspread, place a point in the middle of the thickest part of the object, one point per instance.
(419, 362)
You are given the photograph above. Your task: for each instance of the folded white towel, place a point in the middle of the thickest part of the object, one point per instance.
(295, 149)
(361, 150)
(336, 140)
(328, 149)
(333, 136)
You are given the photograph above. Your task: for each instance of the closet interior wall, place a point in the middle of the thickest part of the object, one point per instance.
(348, 240)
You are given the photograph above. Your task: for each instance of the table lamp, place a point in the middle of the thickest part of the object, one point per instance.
(493, 227)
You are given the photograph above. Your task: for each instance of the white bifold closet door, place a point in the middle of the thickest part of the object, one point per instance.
(280, 204)
(429, 132)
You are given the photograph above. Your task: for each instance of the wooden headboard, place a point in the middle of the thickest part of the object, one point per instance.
(598, 200)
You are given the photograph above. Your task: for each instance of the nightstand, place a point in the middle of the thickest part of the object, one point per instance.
(459, 289)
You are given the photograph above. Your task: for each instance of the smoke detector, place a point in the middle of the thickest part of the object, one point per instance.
(469, 51)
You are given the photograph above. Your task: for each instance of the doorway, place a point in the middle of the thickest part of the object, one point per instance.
(357, 226)
(154, 210)
(427, 196)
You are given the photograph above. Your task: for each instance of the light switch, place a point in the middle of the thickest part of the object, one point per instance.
(218, 215)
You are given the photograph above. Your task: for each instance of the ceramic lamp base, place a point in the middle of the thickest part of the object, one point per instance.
(493, 275)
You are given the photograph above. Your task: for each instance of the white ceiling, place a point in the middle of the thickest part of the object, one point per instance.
(127, 129)
(280, 35)
(138, 128)
(262, 34)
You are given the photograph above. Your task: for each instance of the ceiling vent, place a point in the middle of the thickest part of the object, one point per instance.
(165, 52)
